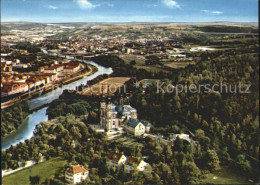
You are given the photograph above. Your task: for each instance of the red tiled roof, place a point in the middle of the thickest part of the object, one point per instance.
(77, 169)
(70, 67)
(73, 63)
(114, 156)
(51, 68)
(12, 86)
(132, 160)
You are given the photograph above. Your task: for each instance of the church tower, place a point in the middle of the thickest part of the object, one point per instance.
(103, 107)
(109, 114)
(102, 113)
(121, 101)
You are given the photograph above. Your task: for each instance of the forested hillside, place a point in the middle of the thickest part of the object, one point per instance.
(13, 117)
(228, 117)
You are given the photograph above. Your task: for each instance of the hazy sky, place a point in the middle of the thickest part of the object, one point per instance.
(54, 11)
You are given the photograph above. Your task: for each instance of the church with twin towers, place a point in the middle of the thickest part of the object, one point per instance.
(122, 116)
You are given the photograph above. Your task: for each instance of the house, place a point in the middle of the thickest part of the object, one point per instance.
(19, 66)
(50, 69)
(186, 137)
(181, 136)
(41, 69)
(147, 125)
(133, 163)
(135, 127)
(115, 160)
(72, 66)
(76, 174)
(10, 88)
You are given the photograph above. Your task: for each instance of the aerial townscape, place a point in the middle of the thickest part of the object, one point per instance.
(129, 92)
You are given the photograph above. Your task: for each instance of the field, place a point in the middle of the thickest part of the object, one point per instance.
(44, 170)
(140, 63)
(177, 65)
(139, 59)
(225, 176)
(129, 142)
(108, 85)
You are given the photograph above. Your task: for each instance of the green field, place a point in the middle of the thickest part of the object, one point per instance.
(44, 170)
(177, 65)
(140, 63)
(129, 142)
(139, 59)
(225, 176)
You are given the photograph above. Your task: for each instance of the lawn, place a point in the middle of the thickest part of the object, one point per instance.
(128, 141)
(44, 170)
(140, 63)
(107, 85)
(177, 65)
(139, 59)
(225, 176)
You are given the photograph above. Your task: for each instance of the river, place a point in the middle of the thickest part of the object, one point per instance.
(25, 131)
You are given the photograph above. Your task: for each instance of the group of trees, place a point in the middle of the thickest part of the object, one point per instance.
(225, 124)
(68, 136)
(31, 48)
(70, 103)
(228, 117)
(13, 117)
(152, 60)
(120, 68)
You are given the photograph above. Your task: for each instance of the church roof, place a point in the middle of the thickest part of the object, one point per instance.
(114, 108)
(146, 123)
(122, 109)
(133, 123)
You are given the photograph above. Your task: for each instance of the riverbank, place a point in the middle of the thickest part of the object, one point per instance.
(39, 104)
(82, 74)
(25, 130)
(13, 131)
(29, 95)
(88, 70)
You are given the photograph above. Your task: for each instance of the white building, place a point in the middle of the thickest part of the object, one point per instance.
(116, 161)
(133, 163)
(135, 127)
(76, 174)
(20, 66)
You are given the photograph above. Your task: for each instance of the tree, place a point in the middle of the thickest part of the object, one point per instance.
(224, 155)
(211, 159)
(175, 177)
(133, 62)
(190, 173)
(167, 151)
(178, 144)
(243, 163)
(34, 180)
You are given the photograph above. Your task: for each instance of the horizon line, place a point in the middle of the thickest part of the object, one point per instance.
(130, 22)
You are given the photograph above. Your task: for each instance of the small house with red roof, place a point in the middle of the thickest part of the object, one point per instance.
(115, 160)
(133, 163)
(76, 174)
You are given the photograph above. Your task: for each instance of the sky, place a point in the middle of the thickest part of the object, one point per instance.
(59, 11)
